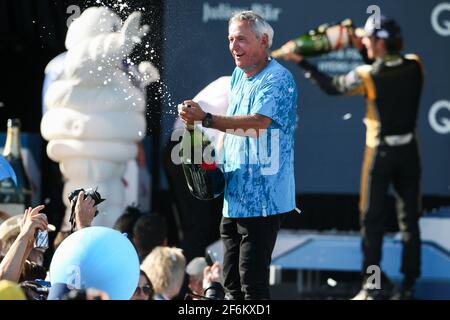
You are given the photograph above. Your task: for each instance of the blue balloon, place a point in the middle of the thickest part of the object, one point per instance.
(100, 258)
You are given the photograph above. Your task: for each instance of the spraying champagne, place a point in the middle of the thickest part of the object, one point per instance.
(323, 39)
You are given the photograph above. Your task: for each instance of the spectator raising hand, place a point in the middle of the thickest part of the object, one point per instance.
(212, 274)
(84, 211)
(14, 260)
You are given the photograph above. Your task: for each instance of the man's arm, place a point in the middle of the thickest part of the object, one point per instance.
(349, 84)
(84, 211)
(254, 122)
(251, 124)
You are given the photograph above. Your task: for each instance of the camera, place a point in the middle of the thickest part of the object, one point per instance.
(215, 292)
(87, 193)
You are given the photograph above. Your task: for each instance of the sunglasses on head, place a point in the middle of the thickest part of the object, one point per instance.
(146, 289)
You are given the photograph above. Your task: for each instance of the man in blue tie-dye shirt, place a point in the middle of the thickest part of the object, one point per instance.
(258, 155)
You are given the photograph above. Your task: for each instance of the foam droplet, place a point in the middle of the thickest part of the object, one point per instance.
(347, 116)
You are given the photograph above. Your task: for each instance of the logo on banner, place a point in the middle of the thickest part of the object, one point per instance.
(440, 125)
(444, 29)
(339, 62)
(224, 11)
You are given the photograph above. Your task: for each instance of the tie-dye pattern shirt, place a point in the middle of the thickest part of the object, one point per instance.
(259, 172)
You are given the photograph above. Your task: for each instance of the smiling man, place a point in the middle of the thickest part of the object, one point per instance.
(259, 126)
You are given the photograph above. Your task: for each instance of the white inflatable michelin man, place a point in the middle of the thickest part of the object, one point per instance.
(95, 108)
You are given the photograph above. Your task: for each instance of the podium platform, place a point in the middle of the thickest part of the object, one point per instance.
(299, 250)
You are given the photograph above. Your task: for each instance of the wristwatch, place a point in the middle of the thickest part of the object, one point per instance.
(207, 120)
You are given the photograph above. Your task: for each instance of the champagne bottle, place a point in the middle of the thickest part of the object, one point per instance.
(203, 176)
(14, 198)
(323, 39)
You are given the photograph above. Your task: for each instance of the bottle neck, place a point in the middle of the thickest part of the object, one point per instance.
(12, 145)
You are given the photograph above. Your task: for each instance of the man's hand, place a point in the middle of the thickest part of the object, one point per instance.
(84, 211)
(289, 47)
(212, 274)
(190, 111)
(32, 221)
(356, 41)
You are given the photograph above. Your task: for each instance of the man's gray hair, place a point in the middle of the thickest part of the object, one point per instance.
(258, 25)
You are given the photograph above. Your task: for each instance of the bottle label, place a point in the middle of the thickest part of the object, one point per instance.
(10, 193)
(338, 37)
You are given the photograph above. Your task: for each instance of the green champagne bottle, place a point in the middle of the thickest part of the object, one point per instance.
(203, 176)
(14, 198)
(323, 39)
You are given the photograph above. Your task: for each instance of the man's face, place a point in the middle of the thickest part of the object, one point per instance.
(247, 50)
(37, 256)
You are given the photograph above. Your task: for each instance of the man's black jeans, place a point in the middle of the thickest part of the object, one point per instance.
(248, 245)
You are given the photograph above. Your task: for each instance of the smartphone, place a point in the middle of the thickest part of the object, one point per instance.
(210, 258)
(43, 283)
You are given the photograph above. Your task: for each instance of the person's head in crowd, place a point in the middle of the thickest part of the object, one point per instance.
(165, 267)
(11, 291)
(127, 220)
(9, 230)
(85, 294)
(149, 231)
(195, 271)
(32, 271)
(144, 289)
(37, 256)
